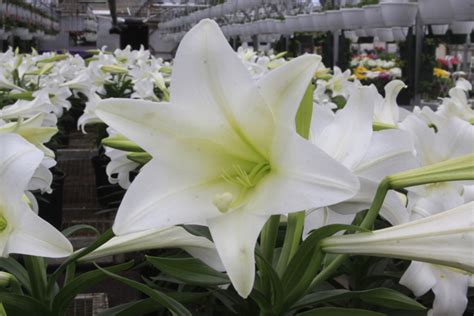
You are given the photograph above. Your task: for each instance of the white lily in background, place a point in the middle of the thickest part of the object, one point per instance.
(172, 237)
(89, 116)
(225, 151)
(347, 136)
(387, 110)
(457, 104)
(339, 84)
(27, 109)
(22, 231)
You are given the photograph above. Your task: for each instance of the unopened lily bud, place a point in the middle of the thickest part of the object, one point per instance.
(114, 69)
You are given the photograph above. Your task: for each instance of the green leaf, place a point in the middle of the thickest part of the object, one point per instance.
(74, 229)
(338, 311)
(380, 297)
(305, 112)
(391, 299)
(12, 266)
(189, 270)
(171, 304)
(16, 304)
(66, 295)
(268, 273)
(305, 264)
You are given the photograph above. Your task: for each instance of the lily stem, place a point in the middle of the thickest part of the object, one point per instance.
(37, 273)
(293, 234)
(268, 237)
(367, 223)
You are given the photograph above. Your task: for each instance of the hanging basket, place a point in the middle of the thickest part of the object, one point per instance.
(463, 9)
(334, 20)
(373, 16)
(436, 11)
(399, 13)
(385, 34)
(462, 27)
(439, 29)
(353, 18)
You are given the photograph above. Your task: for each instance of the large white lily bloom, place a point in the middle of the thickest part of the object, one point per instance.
(387, 110)
(339, 84)
(171, 237)
(445, 238)
(225, 151)
(21, 230)
(347, 136)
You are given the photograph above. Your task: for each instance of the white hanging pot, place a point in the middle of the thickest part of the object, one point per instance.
(20, 31)
(353, 18)
(399, 13)
(462, 27)
(463, 9)
(400, 33)
(439, 29)
(306, 22)
(373, 16)
(370, 32)
(26, 37)
(436, 11)
(5, 35)
(384, 34)
(351, 35)
(334, 20)
(361, 33)
(293, 24)
(320, 22)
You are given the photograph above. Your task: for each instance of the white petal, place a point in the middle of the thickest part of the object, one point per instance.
(392, 210)
(32, 235)
(419, 278)
(348, 137)
(235, 235)
(18, 161)
(303, 177)
(450, 292)
(165, 194)
(283, 88)
(212, 83)
(390, 151)
(388, 110)
(172, 237)
(317, 218)
(321, 118)
(455, 138)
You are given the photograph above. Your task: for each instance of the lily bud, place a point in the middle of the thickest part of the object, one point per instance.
(114, 69)
(445, 239)
(121, 143)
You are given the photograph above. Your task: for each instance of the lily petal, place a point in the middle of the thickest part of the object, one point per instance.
(348, 137)
(282, 87)
(18, 161)
(235, 235)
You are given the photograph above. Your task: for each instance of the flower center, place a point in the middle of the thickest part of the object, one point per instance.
(244, 179)
(3, 223)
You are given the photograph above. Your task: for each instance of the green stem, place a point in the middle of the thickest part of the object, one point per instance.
(70, 272)
(367, 223)
(268, 237)
(293, 234)
(106, 236)
(37, 272)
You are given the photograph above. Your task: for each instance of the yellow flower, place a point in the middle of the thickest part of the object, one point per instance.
(360, 72)
(441, 73)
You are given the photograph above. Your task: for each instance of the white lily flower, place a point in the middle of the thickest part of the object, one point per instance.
(445, 238)
(22, 231)
(339, 84)
(347, 136)
(387, 110)
(456, 105)
(172, 237)
(225, 151)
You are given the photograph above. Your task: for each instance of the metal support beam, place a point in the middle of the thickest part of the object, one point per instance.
(335, 41)
(419, 29)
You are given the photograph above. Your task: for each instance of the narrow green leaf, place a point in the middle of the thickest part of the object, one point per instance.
(160, 297)
(380, 297)
(276, 289)
(339, 311)
(12, 266)
(305, 112)
(391, 299)
(22, 304)
(80, 283)
(189, 270)
(74, 229)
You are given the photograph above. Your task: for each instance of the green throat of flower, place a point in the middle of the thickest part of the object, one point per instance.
(246, 180)
(3, 223)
